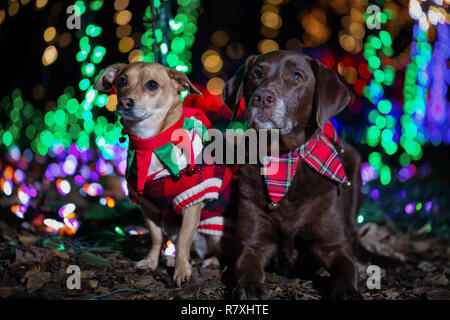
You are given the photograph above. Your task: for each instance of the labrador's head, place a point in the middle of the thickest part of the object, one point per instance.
(288, 91)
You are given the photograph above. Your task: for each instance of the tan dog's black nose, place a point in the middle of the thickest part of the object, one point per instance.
(126, 103)
(264, 99)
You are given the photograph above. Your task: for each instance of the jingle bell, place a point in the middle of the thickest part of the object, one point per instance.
(273, 205)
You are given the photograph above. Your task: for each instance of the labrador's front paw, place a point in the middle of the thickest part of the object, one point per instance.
(248, 290)
(346, 293)
(183, 271)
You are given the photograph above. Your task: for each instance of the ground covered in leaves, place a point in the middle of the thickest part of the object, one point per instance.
(35, 265)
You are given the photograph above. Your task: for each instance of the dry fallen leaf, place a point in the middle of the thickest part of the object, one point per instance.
(35, 268)
(101, 290)
(27, 258)
(61, 254)
(93, 260)
(26, 240)
(86, 274)
(5, 292)
(437, 294)
(421, 246)
(391, 294)
(420, 290)
(438, 280)
(37, 280)
(426, 266)
(292, 282)
(152, 295)
(141, 284)
(33, 254)
(379, 239)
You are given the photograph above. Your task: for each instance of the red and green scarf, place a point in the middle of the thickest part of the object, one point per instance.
(140, 150)
(319, 153)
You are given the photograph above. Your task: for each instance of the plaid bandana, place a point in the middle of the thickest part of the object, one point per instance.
(319, 153)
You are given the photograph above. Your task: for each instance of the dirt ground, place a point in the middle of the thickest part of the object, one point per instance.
(37, 267)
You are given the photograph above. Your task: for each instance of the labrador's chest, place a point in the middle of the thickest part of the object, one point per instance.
(306, 198)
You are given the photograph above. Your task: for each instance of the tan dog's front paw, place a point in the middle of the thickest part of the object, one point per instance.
(147, 263)
(183, 271)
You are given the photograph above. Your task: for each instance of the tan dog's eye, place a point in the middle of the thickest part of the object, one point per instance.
(152, 85)
(122, 82)
(257, 74)
(297, 76)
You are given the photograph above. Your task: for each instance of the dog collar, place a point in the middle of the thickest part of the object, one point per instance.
(319, 153)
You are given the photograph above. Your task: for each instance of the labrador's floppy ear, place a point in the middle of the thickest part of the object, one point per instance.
(106, 80)
(183, 82)
(234, 88)
(331, 95)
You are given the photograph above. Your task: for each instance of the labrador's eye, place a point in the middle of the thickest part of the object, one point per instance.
(152, 85)
(257, 74)
(122, 82)
(296, 76)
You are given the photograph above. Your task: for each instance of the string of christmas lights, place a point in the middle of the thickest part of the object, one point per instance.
(438, 108)
(174, 36)
(61, 149)
(382, 128)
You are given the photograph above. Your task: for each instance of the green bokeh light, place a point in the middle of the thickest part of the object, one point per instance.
(7, 138)
(375, 160)
(385, 175)
(384, 106)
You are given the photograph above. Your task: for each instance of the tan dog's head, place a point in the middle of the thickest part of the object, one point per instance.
(147, 93)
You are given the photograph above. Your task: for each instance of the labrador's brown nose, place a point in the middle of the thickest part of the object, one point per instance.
(264, 99)
(126, 103)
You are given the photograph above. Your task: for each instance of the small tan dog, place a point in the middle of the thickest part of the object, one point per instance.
(149, 103)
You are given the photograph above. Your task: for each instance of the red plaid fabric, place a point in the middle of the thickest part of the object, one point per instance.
(319, 153)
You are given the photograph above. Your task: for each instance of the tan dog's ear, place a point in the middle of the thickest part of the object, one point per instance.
(183, 82)
(331, 95)
(106, 80)
(234, 88)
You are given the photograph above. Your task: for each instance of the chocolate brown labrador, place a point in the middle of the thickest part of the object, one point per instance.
(315, 223)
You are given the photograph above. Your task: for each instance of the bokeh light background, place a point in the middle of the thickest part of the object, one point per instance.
(61, 151)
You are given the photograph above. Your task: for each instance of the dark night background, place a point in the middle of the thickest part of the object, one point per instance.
(22, 44)
(21, 39)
